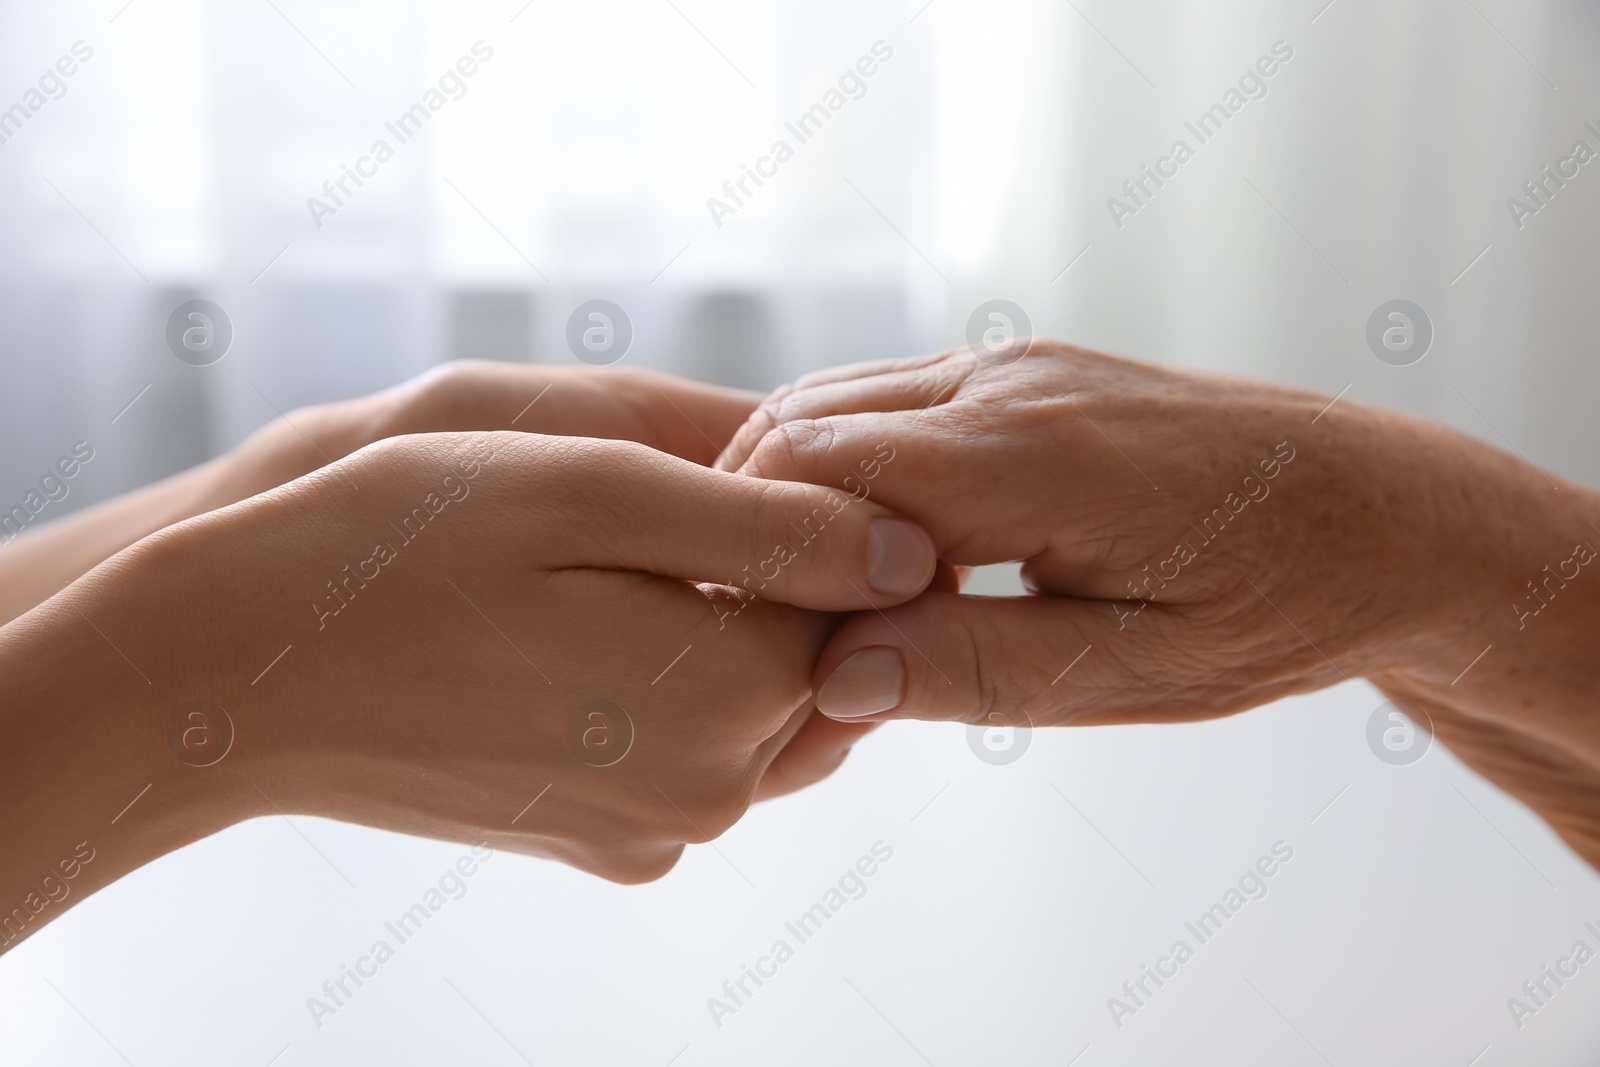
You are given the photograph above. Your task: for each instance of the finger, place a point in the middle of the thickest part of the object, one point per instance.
(948, 657)
(904, 390)
(828, 451)
(815, 752)
(750, 433)
(972, 493)
(676, 415)
(689, 419)
(626, 506)
(891, 385)
(869, 369)
(1029, 660)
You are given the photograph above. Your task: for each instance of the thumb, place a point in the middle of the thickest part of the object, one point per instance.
(815, 751)
(969, 659)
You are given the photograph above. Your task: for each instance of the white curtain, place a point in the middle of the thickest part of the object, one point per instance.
(575, 161)
(579, 159)
(977, 163)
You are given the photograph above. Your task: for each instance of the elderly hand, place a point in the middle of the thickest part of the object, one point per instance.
(1198, 545)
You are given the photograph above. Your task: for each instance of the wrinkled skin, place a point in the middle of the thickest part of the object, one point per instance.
(1342, 542)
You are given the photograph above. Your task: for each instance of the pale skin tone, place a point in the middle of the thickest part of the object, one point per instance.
(1364, 543)
(500, 583)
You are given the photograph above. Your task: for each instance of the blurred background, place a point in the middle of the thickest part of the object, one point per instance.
(1377, 162)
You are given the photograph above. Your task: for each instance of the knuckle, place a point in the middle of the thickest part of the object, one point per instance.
(769, 411)
(979, 641)
(459, 374)
(305, 413)
(757, 425)
(579, 471)
(444, 395)
(326, 426)
(383, 454)
(773, 452)
(974, 650)
(781, 504)
(799, 522)
(783, 450)
(438, 387)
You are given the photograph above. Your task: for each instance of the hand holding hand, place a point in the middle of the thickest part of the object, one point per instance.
(679, 417)
(1142, 501)
(433, 632)
(1198, 545)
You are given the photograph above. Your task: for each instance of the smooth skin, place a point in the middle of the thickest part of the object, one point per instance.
(438, 687)
(1207, 544)
(682, 418)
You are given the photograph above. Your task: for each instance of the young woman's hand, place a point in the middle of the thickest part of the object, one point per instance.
(677, 416)
(683, 418)
(480, 637)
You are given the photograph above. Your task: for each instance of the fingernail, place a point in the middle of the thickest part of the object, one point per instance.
(901, 558)
(868, 683)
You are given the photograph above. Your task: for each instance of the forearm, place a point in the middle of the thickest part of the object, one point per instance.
(89, 791)
(1515, 700)
(1502, 621)
(1520, 563)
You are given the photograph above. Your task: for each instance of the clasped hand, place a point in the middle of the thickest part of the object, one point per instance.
(594, 615)
(553, 628)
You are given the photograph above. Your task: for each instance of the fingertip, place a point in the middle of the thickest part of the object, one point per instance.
(901, 558)
(820, 748)
(784, 449)
(738, 455)
(830, 550)
(910, 661)
(869, 682)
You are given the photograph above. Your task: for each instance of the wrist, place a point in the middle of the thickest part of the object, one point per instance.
(90, 787)
(1377, 550)
(1504, 583)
